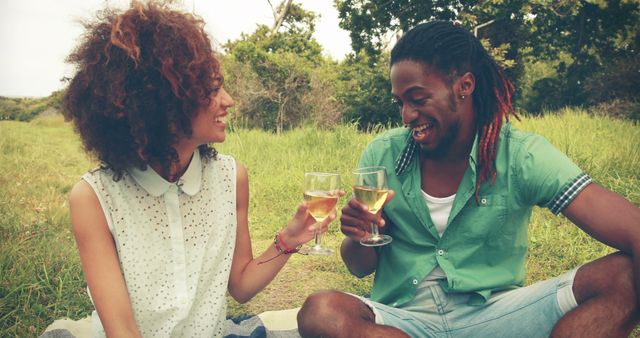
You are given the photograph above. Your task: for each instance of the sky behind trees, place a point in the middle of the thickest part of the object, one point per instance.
(37, 35)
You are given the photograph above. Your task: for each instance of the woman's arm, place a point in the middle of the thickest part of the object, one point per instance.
(250, 275)
(100, 263)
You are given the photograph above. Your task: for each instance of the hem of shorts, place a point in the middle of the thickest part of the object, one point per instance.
(567, 302)
(376, 314)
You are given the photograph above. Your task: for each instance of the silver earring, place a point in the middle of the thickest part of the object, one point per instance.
(462, 97)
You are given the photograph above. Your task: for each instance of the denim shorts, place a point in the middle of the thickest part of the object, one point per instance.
(530, 311)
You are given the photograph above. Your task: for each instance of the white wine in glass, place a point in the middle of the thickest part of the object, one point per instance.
(370, 189)
(321, 194)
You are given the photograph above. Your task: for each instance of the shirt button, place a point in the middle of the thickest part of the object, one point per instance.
(440, 252)
(415, 282)
(483, 201)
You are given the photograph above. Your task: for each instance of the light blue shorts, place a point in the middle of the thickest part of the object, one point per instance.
(530, 311)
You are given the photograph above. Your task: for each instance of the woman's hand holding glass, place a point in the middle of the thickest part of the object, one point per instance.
(303, 227)
(321, 194)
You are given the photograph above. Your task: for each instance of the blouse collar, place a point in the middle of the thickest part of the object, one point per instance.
(156, 185)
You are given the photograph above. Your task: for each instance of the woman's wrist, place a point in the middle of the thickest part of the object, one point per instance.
(287, 240)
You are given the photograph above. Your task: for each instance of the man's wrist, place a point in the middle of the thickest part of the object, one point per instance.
(351, 244)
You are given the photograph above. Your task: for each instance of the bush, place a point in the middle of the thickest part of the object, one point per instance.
(365, 91)
(618, 80)
(25, 109)
(622, 109)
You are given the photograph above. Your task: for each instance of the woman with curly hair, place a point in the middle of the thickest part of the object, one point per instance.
(161, 225)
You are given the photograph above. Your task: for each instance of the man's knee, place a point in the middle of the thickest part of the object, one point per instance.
(325, 311)
(608, 276)
(318, 303)
(607, 299)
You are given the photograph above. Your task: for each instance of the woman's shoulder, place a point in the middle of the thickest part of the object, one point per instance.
(220, 162)
(226, 158)
(82, 191)
(101, 172)
(106, 183)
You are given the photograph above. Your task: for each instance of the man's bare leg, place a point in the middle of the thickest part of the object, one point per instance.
(334, 314)
(607, 300)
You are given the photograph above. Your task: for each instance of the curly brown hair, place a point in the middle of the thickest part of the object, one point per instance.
(142, 75)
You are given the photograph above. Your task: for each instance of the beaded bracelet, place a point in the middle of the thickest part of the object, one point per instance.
(282, 248)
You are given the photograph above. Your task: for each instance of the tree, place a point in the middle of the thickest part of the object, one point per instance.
(280, 16)
(370, 21)
(577, 38)
(365, 91)
(274, 73)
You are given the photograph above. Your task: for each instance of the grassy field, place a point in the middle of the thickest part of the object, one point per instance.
(41, 278)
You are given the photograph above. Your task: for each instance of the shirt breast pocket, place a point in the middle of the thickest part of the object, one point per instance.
(484, 218)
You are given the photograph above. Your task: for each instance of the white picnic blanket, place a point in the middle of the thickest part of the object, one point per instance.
(269, 324)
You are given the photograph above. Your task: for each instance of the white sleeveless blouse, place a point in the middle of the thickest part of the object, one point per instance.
(175, 244)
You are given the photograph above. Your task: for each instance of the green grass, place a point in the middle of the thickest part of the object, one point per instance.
(41, 279)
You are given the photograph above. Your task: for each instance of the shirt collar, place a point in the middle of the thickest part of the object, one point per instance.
(474, 152)
(409, 152)
(156, 185)
(406, 155)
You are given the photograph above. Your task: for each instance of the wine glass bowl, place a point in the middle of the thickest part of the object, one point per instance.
(321, 192)
(320, 203)
(370, 189)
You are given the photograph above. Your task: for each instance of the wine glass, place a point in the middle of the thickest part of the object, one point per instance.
(370, 189)
(321, 194)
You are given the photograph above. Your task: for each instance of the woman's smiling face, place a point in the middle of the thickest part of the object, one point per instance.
(208, 126)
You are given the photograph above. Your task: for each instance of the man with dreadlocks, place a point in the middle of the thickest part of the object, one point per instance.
(464, 185)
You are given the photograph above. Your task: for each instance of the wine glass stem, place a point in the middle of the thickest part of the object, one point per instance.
(317, 239)
(374, 230)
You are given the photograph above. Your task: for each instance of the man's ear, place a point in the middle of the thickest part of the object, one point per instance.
(466, 84)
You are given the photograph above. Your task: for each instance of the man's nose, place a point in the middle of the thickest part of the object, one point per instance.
(408, 114)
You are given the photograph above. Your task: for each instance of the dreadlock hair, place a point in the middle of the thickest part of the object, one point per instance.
(453, 51)
(142, 75)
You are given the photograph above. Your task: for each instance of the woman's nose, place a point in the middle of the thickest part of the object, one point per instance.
(226, 100)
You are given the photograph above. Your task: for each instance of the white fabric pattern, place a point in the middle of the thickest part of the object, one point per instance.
(175, 244)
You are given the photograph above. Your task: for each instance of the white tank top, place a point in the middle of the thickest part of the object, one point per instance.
(439, 210)
(175, 243)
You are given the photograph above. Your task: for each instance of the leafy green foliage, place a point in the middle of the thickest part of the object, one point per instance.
(578, 38)
(617, 80)
(366, 91)
(594, 34)
(370, 21)
(25, 109)
(275, 76)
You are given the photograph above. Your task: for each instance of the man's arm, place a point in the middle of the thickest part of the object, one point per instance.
(360, 260)
(609, 218)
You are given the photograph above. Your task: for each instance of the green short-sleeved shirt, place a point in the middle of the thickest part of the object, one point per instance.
(484, 246)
